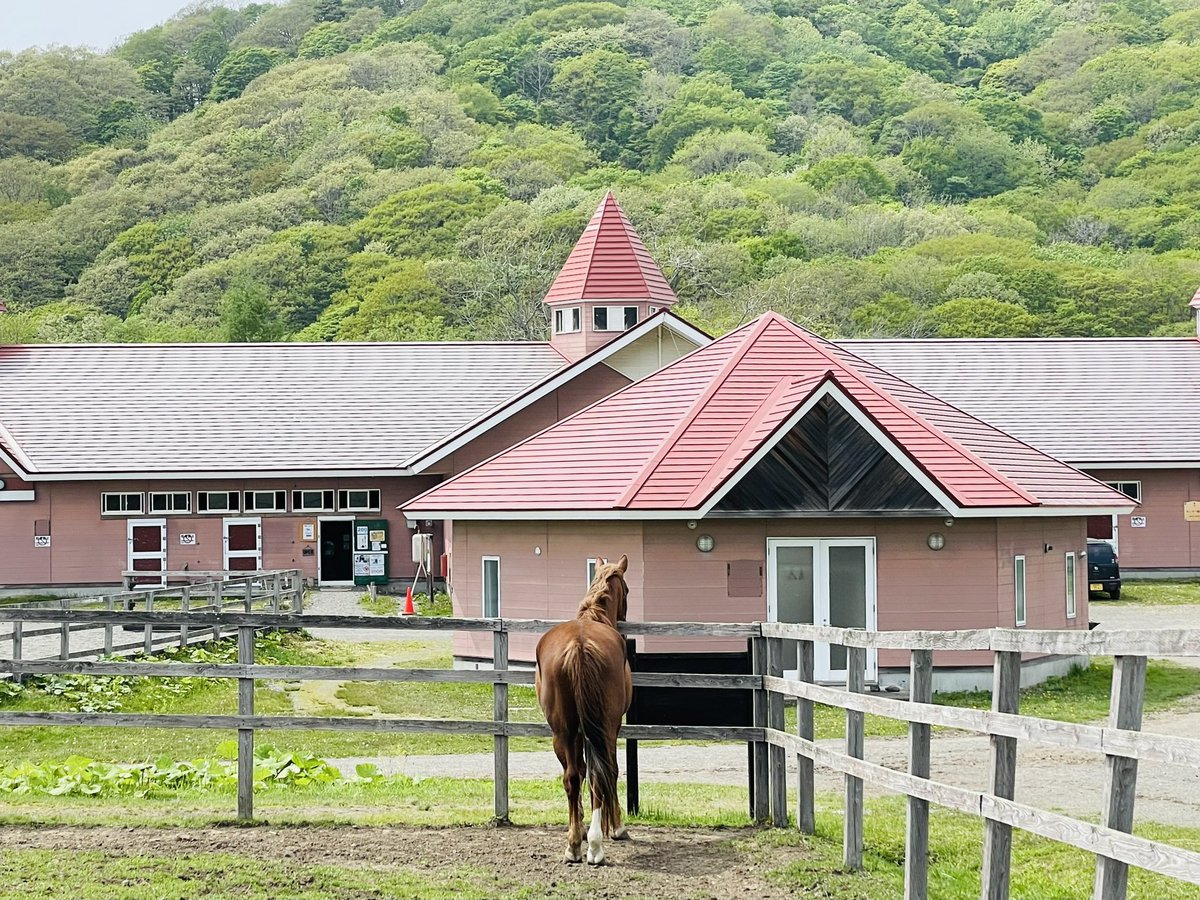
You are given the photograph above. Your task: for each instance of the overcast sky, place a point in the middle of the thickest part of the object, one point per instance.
(94, 23)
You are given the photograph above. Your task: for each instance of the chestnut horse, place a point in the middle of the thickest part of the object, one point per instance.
(584, 688)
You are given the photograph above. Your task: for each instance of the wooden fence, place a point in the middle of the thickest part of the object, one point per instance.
(274, 592)
(1119, 741)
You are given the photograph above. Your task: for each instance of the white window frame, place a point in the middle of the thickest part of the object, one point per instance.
(298, 495)
(1071, 574)
(615, 314)
(483, 600)
(140, 511)
(1020, 597)
(169, 509)
(256, 554)
(344, 505)
(145, 575)
(576, 320)
(1136, 496)
(594, 563)
(250, 505)
(234, 507)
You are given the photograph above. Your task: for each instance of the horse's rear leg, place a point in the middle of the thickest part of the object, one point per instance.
(569, 751)
(613, 825)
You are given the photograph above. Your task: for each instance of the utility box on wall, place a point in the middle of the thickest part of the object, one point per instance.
(371, 551)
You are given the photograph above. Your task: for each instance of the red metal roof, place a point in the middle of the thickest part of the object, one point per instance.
(610, 262)
(674, 439)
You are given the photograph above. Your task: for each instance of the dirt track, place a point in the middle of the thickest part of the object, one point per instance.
(657, 863)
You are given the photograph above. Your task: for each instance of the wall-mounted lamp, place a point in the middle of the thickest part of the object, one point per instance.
(537, 551)
(936, 541)
(1049, 547)
(705, 543)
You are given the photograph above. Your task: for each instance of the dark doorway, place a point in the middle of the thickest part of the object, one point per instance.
(337, 557)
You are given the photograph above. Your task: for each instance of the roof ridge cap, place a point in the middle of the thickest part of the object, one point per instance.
(718, 379)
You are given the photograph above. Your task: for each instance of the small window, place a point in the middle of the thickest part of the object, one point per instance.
(1019, 583)
(651, 310)
(120, 504)
(358, 500)
(312, 501)
(591, 569)
(217, 501)
(265, 501)
(1131, 489)
(1070, 575)
(491, 587)
(171, 502)
(566, 321)
(614, 318)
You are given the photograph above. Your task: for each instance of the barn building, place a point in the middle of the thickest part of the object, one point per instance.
(159, 458)
(775, 475)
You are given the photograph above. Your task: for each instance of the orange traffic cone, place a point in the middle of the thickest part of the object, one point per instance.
(408, 604)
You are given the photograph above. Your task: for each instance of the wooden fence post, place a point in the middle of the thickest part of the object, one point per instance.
(297, 594)
(500, 715)
(17, 649)
(916, 850)
(276, 592)
(1124, 711)
(806, 818)
(777, 755)
(148, 634)
(759, 776)
(64, 632)
(109, 605)
(185, 606)
(245, 759)
(997, 836)
(249, 595)
(852, 832)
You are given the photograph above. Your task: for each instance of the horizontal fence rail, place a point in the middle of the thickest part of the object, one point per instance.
(1120, 741)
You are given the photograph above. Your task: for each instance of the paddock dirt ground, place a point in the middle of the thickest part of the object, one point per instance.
(675, 863)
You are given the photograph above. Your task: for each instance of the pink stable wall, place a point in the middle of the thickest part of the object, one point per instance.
(967, 584)
(1167, 541)
(597, 382)
(88, 548)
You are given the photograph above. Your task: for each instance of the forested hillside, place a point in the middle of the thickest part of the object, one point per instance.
(397, 169)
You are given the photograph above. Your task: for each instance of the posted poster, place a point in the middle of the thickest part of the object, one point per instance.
(360, 537)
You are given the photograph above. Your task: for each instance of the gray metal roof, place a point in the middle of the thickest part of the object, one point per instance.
(199, 408)
(1083, 400)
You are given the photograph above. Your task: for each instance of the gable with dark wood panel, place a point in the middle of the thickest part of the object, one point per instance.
(828, 463)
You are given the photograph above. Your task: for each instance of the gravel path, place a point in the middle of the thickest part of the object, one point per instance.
(1113, 614)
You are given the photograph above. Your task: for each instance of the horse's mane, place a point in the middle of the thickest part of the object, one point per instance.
(597, 604)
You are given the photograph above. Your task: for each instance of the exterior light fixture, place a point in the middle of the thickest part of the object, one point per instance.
(936, 541)
(537, 551)
(705, 543)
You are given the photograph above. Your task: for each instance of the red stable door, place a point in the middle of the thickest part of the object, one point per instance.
(147, 540)
(243, 544)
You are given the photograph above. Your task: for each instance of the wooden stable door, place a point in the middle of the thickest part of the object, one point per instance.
(243, 544)
(147, 540)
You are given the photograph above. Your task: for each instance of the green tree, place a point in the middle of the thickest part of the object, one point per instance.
(425, 221)
(981, 317)
(241, 67)
(330, 11)
(246, 314)
(596, 92)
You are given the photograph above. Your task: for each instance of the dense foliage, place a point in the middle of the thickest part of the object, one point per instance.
(398, 169)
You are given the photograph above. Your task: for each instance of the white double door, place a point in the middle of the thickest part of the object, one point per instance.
(823, 581)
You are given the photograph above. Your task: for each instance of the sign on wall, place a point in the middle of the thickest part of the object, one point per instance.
(308, 531)
(187, 540)
(1137, 521)
(41, 540)
(1191, 511)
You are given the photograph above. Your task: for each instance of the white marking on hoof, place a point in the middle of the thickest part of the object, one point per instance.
(621, 834)
(595, 839)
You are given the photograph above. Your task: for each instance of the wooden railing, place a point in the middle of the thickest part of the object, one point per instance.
(1120, 740)
(272, 592)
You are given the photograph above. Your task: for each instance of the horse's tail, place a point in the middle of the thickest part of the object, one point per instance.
(583, 662)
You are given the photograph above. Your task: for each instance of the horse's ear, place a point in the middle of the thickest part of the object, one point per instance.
(622, 563)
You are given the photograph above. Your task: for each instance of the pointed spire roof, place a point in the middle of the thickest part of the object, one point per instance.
(610, 262)
(1195, 304)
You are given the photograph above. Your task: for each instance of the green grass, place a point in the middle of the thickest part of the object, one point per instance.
(801, 865)
(393, 606)
(1041, 870)
(41, 875)
(18, 599)
(1161, 593)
